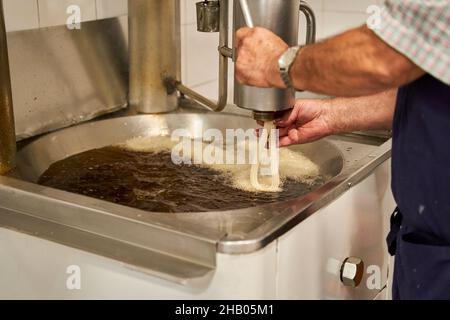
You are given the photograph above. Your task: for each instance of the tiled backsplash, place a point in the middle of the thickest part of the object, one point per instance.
(199, 54)
(30, 14)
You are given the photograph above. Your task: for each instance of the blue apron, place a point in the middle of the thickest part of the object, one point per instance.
(420, 227)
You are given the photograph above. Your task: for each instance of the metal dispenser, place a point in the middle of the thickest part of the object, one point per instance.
(282, 18)
(279, 16)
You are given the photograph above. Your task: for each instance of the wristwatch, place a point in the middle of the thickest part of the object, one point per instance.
(285, 63)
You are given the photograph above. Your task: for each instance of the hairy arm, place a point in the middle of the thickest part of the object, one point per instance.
(311, 120)
(355, 63)
(375, 112)
(360, 64)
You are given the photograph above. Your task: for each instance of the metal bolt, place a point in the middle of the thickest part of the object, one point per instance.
(352, 271)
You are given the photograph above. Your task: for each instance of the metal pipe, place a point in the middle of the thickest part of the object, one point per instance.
(306, 9)
(7, 129)
(246, 13)
(154, 45)
(224, 54)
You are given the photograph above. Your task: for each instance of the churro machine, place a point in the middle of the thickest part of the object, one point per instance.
(126, 70)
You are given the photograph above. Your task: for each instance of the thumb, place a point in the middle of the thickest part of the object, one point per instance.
(289, 117)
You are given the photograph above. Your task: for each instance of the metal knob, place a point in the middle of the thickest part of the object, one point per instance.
(352, 271)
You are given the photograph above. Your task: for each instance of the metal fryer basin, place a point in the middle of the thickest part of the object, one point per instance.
(36, 157)
(174, 246)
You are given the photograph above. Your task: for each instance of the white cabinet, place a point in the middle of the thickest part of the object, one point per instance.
(355, 225)
(32, 268)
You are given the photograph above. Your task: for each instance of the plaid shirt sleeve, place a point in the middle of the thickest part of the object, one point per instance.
(420, 30)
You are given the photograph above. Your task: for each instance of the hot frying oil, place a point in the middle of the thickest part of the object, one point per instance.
(151, 181)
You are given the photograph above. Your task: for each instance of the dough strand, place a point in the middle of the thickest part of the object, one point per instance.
(267, 136)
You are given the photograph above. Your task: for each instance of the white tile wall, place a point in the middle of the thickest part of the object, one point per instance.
(337, 22)
(30, 14)
(21, 14)
(111, 8)
(201, 55)
(349, 5)
(200, 60)
(188, 11)
(54, 12)
(341, 15)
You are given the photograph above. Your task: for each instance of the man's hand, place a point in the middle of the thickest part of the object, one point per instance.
(258, 51)
(311, 120)
(307, 122)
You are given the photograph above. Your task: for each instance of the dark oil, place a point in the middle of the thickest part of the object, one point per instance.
(152, 182)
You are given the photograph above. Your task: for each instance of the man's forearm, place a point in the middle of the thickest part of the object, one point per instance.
(355, 63)
(374, 112)
(311, 120)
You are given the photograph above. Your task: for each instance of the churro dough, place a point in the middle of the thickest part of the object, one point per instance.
(275, 183)
(292, 164)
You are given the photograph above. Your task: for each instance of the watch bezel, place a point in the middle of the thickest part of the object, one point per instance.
(285, 64)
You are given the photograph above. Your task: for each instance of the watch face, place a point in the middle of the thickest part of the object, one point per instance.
(285, 64)
(288, 57)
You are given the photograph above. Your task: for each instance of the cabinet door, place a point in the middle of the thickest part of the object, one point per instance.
(310, 256)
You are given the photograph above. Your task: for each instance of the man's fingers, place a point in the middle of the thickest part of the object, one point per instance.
(285, 142)
(289, 117)
(241, 77)
(285, 117)
(282, 132)
(293, 136)
(241, 34)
